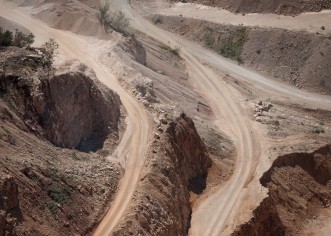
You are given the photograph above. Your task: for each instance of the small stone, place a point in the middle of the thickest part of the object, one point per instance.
(157, 136)
(258, 119)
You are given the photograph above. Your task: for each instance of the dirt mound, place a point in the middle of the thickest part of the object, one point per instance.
(298, 58)
(76, 16)
(284, 7)
(299, 192)
(47, 190)
(178, 163)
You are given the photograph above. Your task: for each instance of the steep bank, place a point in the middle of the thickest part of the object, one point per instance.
(298, 58)
(299, 192)
(68, 109)
(46, 189)
(283, 7)
(177, 164)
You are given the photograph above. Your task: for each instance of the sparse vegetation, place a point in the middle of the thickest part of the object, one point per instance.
(174, 51)
(209, 41)
(17, 39)
(232, 46)
(50, 49)
(103, 16)
(52, 206)
(117, 21)
(318, 130)
(323, 27)
(258, 51)
(60, 194)
(157, 20)
(276, 122)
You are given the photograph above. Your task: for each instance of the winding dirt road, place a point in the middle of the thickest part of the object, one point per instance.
(135, 143)
(220, 210)
(310, 21)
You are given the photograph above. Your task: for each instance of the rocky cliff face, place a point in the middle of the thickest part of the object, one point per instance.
(46, 189)
(299, 190)
(178, 163)
(68, 109)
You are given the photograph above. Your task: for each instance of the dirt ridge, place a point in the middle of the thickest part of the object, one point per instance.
(178, 163)
(299, 191)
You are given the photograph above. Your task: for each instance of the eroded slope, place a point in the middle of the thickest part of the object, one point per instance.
(299, 192)
(48, 190)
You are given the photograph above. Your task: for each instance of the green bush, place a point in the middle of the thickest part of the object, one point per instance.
(52, 206)
(209, 41)
(157, 20)
(232, 46)
(116, 21)
(174, 51)
(18, 39)
(6, 38)
(50, 49)
(22, 40)
(60, 194)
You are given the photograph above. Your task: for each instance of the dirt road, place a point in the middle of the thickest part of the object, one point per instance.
(135, 143)
(312, 21)
(223, 208)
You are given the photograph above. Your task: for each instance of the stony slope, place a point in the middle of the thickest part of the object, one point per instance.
(284, 7)
(46, 189)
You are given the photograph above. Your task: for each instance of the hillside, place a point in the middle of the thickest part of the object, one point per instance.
(283, 7)
(47, 186)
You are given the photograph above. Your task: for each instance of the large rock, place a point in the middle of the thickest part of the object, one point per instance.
(9, 202)
(8, 192)
(76, 113)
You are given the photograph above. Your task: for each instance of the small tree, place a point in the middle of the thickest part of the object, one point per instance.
(22, 40)
(50, 49)
(6, 38)
(103, 16)
(120, 22)
(117, 21)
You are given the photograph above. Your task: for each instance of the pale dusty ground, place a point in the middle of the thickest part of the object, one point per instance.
(233, 202)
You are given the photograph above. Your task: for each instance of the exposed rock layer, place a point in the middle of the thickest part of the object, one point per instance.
(178, 164)
(299, 189)
(68, 109)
